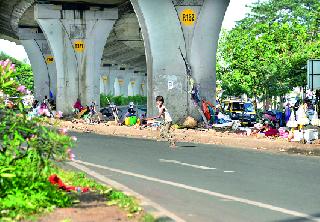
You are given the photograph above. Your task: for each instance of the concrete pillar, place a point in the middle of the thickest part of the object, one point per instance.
(112, 79)
(127, 81)
(123, 77)
(116, 84)
(77, 39)
(131, 87)
(106, 82)
(101, 84)
(143, 88)
(139, 78)
(42, 62)
(165, 32)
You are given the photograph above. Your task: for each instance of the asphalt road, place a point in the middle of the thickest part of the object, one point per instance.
(207, 182)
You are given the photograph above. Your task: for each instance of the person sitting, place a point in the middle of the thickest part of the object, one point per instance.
(44, 104)
(131, 111)
(93, 108)
(35, 104)
(84, 111)
(77, 106)
(52, 104)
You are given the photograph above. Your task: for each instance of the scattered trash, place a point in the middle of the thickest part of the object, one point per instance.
(55, 180)
(190, 123)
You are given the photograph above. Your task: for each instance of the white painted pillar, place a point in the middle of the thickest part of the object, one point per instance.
(102, 88)
(127, 78)
(112, 79)
(165, 33)
(42, 62)
(105, 85)
(144, 88)
(77, 39)
(137, 85)
(117, 91)
(131, 87)
(123, 79)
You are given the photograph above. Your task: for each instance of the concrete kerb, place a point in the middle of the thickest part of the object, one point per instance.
(160, 213)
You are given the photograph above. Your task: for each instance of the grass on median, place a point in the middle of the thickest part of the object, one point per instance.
(114, 197)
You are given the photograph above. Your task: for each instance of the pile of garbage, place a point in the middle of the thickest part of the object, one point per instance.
(41, 109)
(297, 126)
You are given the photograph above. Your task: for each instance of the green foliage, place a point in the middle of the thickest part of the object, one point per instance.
(23, 71)
(265, 54)
(79, 179)
(147, 218)
(25, 75)
(120, 199)
(28, 191)
(121, 100)
(114, 197)
(27, 151)
(4, 57)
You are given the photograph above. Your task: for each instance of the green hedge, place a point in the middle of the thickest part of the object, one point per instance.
(122, 100)
(28, 150)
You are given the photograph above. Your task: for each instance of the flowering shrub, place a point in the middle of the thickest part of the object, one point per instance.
(27, 152)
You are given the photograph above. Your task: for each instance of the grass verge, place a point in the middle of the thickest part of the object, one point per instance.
(113, 196)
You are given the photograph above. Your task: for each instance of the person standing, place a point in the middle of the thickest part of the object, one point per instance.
(287, 113)
(167, 121)
(115, 113)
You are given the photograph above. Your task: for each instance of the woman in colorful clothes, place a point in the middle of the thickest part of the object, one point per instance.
(287, 112)
(77, 106)
(165, 127)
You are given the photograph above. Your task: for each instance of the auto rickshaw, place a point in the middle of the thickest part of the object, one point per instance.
(240, 110)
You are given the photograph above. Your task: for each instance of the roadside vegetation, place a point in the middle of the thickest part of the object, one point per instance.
(26, 151)
(265, 55)
(113, 196)
(122, 100)
(23, 70)
(29, 151)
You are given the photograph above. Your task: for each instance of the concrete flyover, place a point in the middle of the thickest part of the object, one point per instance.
(71, 44)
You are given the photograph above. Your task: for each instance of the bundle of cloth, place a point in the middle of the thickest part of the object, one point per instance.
(55, 180)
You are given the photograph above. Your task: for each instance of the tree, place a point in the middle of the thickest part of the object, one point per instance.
(25, 75)
(265, 54)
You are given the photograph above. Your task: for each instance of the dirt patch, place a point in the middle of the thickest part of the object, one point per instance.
(223, 137)
(91, 208)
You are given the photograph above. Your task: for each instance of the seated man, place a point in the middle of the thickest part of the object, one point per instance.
(131, 111)
(93, 108)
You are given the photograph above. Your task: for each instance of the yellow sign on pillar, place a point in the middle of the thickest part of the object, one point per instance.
(49, 59)
(79, 46)
(188, 17)
(121, 81)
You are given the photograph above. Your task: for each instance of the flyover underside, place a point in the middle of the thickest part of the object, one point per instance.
(172, 40)
(118, 50)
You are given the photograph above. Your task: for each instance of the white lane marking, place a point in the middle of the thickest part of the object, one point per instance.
(187, 164)
(144, 201)
(211, 193)
(228, 171)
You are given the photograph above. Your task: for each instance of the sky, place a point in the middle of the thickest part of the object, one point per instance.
(236, 11)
